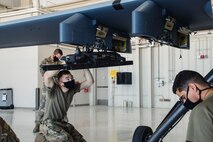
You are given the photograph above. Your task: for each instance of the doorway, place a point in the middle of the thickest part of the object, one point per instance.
(102, 86)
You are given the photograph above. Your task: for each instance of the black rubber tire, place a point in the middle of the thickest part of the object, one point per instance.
(142, 134)
(11, 106)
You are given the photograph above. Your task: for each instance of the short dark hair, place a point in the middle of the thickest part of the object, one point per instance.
(185, 77)
(58, 51)
(62, 72)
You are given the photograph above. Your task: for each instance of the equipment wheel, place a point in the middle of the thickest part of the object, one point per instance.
(142, 134)
(11, 106)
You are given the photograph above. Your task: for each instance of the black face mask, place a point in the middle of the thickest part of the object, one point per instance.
(70, 84)
(189, 104)
(55, 59)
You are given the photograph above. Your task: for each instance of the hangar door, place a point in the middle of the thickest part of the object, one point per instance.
(102, 86)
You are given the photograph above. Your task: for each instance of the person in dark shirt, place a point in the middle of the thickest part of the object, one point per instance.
(51, 60)
(59, 97)
(193, 88)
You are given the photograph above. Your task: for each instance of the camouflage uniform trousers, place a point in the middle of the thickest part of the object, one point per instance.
(40, 112)
(6, 133)
(56, 131)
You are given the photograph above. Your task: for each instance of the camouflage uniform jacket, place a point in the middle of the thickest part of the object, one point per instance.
(48, 61)
(6, 133)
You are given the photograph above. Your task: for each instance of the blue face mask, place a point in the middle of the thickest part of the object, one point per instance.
(70, 84)
(189, 104)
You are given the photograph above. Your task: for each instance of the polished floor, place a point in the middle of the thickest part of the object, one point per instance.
(99, 123)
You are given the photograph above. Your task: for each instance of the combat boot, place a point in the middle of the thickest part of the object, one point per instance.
(36, 129)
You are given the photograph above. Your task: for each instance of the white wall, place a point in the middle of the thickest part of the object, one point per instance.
(118, 94)
(146, 76)
(154, 71)
(19, 71)
(166, 63)
(19, 67)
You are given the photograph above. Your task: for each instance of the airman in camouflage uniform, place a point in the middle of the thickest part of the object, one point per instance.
(53, 59)
(60, 93)
(6, 133)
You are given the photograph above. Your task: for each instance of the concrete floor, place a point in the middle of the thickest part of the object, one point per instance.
(99, 123)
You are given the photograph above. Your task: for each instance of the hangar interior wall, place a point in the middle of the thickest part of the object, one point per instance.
(153, 71)
(158, 66)
(19, 72)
